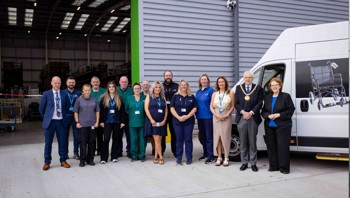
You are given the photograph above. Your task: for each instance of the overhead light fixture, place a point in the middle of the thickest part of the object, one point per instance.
(81, 21)
(109, 23)
(12, 15)
(97, 24)
(108, 41)
(60, 33)
(78, 8)
(28, 31)
(67, 19)
(57, 37)
(122, 24)
(124, 31)
(85, 35)
(34, 4)
(112, 11)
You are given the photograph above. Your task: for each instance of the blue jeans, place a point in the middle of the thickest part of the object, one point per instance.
(71, 122)
(205, 127)
(55, 126)
(184, 134)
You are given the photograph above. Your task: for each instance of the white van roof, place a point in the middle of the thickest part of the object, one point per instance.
(284, 45)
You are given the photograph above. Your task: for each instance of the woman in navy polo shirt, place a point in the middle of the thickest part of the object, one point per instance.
(183, 106)
(205, 118)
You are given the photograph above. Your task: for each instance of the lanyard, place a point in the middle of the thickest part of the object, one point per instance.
(184, 100)
(158, 102)
(137, 103)
(111, 102)
(71, 98)
(221, 99)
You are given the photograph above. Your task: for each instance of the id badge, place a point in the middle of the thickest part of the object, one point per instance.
(137, 112)
(160, 110)
(111, 111)
(71, 108)
(221, 110)
(168, 102)
(183, 110)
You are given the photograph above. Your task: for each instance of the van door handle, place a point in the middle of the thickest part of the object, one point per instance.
(304, 105)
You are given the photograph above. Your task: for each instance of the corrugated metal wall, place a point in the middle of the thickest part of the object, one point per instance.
(189, 37)
(261, 21)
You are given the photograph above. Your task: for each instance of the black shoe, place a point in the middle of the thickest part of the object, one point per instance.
(188, 162)
(133, 159)
(243, 167)
(284, 171)
(143, 159)
(209, 161)
(202, 158)
(76, 156)
(254, 168)
(273, 169)
(81, 164)
(178, 162)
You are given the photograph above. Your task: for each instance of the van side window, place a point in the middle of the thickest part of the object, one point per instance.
(269, 72)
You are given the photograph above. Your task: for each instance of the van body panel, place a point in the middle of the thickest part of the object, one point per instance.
(320, 121)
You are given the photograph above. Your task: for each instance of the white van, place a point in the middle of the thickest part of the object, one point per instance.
(313, 63)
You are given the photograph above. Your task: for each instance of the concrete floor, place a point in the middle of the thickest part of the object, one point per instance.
(21, 155)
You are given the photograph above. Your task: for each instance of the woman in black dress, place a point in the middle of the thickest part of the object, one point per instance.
(156, 111)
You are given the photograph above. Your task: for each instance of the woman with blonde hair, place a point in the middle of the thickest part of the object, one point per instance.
(112, 120)
(155, 120)
(222, 105)
(183, 106)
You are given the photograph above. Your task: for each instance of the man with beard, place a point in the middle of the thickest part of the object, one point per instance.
(71, 94)
(97, 92)
(170, 88)
(124, 91)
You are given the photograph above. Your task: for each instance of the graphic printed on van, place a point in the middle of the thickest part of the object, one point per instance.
(320, 80)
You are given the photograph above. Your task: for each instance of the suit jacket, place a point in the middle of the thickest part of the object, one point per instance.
(47, 108)
(284, 106)
(254, 104)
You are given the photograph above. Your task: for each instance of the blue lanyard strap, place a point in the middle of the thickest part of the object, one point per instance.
(71, 98)
(137, 104)
(111, 102)
(158, 102)
(185, 99)
(221, 99)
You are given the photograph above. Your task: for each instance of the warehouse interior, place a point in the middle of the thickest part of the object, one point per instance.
(40, 39)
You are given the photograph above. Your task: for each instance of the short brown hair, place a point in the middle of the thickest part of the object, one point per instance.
(277, 80)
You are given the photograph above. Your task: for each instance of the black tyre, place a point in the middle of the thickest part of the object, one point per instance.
(235, 148)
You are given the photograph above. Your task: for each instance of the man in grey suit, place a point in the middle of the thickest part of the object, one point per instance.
(248, 102)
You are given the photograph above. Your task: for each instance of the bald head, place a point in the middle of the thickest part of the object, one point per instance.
(56, 83)
(123, 82)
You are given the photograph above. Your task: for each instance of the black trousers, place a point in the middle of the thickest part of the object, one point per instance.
(125, 130)
(108, 130)
(173, 136)
(277, 142)
(87, 137)
(99, 139)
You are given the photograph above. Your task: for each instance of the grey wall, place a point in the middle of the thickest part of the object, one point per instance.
(261, 21)
(189, 37)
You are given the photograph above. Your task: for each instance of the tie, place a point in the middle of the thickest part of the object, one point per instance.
(58, 108)
(248, 89)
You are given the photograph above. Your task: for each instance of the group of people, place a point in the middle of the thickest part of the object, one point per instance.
(143, 111)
